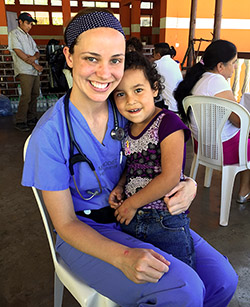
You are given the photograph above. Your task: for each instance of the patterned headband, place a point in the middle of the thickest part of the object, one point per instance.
(89, 21)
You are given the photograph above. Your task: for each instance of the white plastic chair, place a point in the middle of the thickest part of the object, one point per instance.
(68, 76)
(211, 114)
(85, 295)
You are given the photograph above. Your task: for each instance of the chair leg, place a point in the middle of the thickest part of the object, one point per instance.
(208, 177)
(227, 183)
(58, 291)
(194, 167)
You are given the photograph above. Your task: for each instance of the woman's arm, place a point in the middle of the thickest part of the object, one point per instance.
(172, 148)
(139, 265)
(234, 119)
(180, 197)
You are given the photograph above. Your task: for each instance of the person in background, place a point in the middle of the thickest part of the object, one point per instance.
(127, 270)
(154, 146)
(25, 57)
(210, 77)
(170, 71)
(134, 44)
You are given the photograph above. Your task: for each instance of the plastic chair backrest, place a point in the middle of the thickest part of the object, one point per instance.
(68, 77)
(45, 216)
(211, 114)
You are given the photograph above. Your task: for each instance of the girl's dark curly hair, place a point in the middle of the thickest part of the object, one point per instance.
(135, 60)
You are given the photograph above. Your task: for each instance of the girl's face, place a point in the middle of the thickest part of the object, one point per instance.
(97, 64)
(228, 68)
(134, 97)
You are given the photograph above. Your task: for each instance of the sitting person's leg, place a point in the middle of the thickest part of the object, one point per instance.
(216, 272)
(231, 156)
(181, 286)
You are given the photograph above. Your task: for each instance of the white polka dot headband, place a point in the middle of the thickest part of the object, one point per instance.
(89, 21)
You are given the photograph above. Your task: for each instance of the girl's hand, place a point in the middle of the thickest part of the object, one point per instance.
(125, 212)
(115, 197)
(143, 265)
(180, 197)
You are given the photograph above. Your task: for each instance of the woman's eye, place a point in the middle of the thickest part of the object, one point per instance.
(138, 90)
(115, 61)
(91, 59)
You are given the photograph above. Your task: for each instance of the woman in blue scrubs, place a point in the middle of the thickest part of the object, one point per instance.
(128, 271)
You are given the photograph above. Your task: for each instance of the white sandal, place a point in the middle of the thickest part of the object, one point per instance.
(243, 199)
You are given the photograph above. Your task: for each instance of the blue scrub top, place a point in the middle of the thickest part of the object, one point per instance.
(46, 165)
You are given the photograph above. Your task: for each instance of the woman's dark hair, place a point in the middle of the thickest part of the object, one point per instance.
(219, 51)
(135, 43)
(165, 49)
(136, 60)
(80, 13)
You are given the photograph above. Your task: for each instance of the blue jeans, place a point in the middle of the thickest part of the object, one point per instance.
(168, 232)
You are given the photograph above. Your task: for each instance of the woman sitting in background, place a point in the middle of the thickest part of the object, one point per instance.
(210, 77)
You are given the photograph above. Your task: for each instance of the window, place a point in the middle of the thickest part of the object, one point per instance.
(146, 5)
(34, 2)
(26, 2)
(74, 3)
(41, 2)
(146, 21)
(73, 14)
(57, 18)
(42, 18)
(88, 3)
(114, 5)
(56, 2)
(9, 1)
(117, 16)
(101, 4)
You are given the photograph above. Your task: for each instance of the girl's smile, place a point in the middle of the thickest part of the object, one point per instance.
(134, 97)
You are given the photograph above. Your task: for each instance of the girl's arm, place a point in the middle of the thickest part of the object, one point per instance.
(116, 195)
(139, 265)
(172, 148)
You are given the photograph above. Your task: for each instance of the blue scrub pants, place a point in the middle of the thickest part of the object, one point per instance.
(212, 284)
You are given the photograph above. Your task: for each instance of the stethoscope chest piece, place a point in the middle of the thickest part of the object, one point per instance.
(118, 134)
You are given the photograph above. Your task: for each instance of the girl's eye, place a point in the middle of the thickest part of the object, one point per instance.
(119, 94)
(138, 90)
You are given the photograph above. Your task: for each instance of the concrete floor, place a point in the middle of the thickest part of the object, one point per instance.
(26, 271)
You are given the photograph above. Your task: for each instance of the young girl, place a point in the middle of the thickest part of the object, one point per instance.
(154, 147)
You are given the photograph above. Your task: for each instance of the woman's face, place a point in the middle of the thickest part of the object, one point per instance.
(97, 63)
(228, 68)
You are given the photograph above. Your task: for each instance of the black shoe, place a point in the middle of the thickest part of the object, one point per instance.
(22, 127)
(32, 122)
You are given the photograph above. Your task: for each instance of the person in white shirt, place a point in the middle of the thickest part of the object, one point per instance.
(25, 57)
(210, 77)
(170, 71)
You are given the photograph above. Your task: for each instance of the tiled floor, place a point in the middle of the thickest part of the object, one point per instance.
(26, 271)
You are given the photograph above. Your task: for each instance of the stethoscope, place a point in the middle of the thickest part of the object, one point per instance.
(117, 133)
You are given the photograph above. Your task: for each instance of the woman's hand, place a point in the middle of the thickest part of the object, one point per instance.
(143, 265)
(180, 197)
